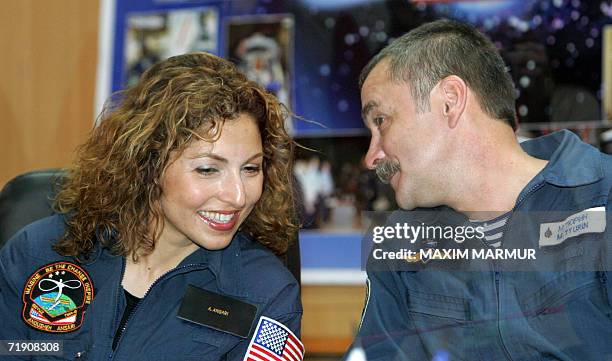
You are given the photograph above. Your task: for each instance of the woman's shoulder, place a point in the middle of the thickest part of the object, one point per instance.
(35, 240)
(263, 272)
(258, 258)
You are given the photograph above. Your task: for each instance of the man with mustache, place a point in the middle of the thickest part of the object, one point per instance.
(440, 106)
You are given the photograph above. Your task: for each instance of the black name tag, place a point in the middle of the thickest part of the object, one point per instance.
(216, 311)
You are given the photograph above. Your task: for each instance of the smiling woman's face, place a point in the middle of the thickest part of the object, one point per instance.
(210, 188)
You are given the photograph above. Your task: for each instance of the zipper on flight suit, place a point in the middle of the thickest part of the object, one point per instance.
(603, 279)
(112, 354)
(496, 270)
(501, 340)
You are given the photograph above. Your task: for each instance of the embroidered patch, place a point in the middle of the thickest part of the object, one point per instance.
(273, 341)
(56, 296)
(592, 220)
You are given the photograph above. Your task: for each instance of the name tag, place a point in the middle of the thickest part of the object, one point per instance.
(592, 220)
(216, 311)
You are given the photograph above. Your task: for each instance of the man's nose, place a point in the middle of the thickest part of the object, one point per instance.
(374, 154)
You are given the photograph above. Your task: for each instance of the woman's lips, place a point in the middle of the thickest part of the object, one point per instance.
(218, 220)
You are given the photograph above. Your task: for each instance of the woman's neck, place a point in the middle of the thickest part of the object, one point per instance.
(140, 275)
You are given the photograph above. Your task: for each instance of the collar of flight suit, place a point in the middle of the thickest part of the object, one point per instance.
(571, 162)
(225, 264)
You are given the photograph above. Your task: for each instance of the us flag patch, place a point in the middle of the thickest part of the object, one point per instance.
(273, 341)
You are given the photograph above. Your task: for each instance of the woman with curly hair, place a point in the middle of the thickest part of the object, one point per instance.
(163, 248)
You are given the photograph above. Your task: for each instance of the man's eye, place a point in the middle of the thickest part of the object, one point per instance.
(206, 170)
(378, 121)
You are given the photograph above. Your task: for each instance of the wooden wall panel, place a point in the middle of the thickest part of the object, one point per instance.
(47, 67)
(331, 317)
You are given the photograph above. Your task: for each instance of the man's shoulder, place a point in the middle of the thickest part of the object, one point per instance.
(604, 186)
(606, 160)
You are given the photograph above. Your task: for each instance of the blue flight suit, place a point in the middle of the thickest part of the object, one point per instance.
(245, 271)
(557, 308)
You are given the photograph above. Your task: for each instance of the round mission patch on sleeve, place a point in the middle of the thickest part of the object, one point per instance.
(56, 296)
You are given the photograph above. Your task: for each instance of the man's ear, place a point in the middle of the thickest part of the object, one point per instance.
(454, 97)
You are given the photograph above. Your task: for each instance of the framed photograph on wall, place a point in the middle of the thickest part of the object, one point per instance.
(262, 47)
(135, 34)
(154, 36)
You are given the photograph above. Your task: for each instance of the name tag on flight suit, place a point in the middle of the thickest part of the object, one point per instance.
(592, 220)
(216, 311)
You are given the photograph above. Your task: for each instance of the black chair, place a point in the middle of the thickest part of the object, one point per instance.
(291, 259)
(28, 197)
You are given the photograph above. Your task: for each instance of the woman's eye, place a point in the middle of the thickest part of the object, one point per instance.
(206, 170)
(252, 169)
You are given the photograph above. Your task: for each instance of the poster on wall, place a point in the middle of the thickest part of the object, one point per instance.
(262, 48)
(258, 36)
(154, 36)
(135, 34)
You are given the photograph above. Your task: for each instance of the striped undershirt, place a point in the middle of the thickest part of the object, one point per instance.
(493, 229)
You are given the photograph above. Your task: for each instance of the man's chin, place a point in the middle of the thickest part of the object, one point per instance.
(410, 205)
(405, 204)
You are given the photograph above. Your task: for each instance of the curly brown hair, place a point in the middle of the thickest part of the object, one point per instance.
(112, 192)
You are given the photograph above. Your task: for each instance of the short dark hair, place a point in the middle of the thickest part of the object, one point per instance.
(433, 51)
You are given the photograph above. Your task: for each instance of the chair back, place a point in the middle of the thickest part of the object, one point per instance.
(27, 198)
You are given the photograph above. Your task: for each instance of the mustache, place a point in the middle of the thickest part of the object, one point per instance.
(386, 169)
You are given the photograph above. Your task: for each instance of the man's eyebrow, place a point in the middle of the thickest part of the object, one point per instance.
(365, 111)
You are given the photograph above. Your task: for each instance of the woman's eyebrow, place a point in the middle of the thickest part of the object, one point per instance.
(209, 155)
(222, 159)
(254, 156)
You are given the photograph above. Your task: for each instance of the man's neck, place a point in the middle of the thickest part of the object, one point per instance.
(496, 176)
